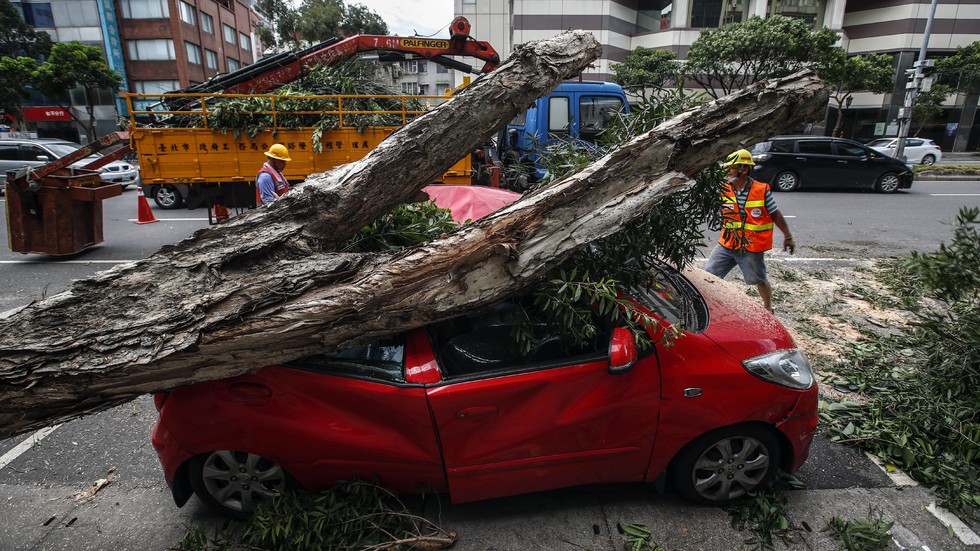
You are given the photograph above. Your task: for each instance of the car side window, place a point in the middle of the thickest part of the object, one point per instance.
(33, 153)
(595, 113)
(487, 341)
(383, 359)
(851, 150)
(8, 152)
(914, 143)
(783, 146)
(818, 147)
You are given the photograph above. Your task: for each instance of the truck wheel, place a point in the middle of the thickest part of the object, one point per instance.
(168, 197)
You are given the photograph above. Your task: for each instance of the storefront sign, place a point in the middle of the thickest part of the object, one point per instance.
(45, 114)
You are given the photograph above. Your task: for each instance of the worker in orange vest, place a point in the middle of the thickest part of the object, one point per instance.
(748, 215)
(270, 184)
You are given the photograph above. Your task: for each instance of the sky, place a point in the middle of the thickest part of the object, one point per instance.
(411, 17)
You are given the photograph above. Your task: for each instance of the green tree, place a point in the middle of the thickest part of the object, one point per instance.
(280, 33)
(358, 19)
(846, 75)
(314, 21)
(929, 105)
(646, 68)
(18, 38)
(15, 73)
(737, 55)
(73, 64)
(961, 70)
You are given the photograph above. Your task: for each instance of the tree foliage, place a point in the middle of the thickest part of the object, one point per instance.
(735, 56)
(646, 68)
(961, 70)
(314, 21)
(845, 75)
(74, 64)
(15, 73)
(929, 105)
(20, 39)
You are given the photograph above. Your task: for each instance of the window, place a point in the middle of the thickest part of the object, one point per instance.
(442, 69)
(229, 33)
(819, 147)
(145, 9)
(207, 23)
(710, 14)
(211, 59)
(850, 150)
(383, 359)
(38, 16)
(423, 67)
(187, 13)
(8, 152)
(595, 112)
(151, 50)
(152, 87)
(558, 114)
(410, 67)
(193, 53)
(245, 42)
(233, 64)
(411, 88)
(668, 295)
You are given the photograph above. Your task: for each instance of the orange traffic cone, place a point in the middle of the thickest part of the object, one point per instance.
(145, 214)
(220, 214)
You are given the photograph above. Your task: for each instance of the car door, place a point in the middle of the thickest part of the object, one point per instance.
(541, 422)
(854, 165)
(914, 149)
(817, 163)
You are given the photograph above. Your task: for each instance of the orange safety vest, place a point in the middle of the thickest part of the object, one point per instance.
(750, 228)
(282, 185)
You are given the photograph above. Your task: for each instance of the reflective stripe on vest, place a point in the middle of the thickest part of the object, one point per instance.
(749, 228)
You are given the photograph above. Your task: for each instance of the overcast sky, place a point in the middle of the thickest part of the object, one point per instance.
(410, 17)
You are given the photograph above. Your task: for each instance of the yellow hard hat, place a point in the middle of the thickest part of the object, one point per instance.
(278, 151)
(740, 157)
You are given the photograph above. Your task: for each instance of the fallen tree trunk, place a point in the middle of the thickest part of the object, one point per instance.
(266, 288)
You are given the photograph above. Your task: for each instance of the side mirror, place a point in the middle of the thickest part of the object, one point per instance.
(43, 158)
(622, 351)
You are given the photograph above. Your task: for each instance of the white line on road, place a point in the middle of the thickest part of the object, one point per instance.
(174, 219)
(954, 194)
(962, 531)
(25, 445)
(64, 261)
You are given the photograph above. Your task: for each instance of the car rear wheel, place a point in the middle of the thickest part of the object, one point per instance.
(887, 183)
(725, 464)
(929, 160)
(787, 181)
(168, 197)
(234, 482)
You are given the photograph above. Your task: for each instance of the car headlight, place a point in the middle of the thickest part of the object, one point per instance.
(788, 368)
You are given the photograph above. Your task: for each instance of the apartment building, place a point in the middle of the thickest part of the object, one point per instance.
(155, 45)
(886, 26)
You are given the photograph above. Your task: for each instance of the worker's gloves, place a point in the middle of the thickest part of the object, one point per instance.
(789, 245)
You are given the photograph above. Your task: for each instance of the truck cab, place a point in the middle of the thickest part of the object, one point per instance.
(575, 111)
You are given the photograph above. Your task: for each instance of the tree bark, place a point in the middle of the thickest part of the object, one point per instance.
(266, 287)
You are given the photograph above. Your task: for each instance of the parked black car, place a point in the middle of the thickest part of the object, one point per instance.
(789, 163)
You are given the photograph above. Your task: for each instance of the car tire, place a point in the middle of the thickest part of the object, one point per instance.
(887, 183)
(786, 181)
(725, 464)
(234, 482)
(168, 197)
(929, 160)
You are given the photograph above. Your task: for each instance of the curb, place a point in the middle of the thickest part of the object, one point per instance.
(925, 177)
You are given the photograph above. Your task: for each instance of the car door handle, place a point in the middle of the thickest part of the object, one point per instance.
(842, 161)
(477, 411)
(801, 159)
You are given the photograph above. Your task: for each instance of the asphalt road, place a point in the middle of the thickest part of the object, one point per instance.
(42, 475)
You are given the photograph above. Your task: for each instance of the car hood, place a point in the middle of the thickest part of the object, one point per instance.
(737, 322)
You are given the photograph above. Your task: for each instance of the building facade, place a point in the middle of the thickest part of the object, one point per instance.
(884, 26)
(155, 45)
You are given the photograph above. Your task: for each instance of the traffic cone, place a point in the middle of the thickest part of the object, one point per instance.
(145, 215)
(220, 214)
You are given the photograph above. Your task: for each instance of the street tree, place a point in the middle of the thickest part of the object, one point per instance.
(21, 48)
(314, 21)
(961, 70)
(845, 75)
(646, 68)
(734, 56)
(269, 286)
(73, 64)
(929, 106)
(279, 30)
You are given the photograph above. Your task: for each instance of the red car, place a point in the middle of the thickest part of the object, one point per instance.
(459, 407)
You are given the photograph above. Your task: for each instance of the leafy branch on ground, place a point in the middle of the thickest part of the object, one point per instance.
(353, 515)
(638, 538)
(915, 391)
(763, 513)
(868, 533)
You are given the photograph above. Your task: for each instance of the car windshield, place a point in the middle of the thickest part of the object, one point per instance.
(669, 295)
(880, 143)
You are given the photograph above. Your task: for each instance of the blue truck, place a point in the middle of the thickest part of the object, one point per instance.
(574, 111)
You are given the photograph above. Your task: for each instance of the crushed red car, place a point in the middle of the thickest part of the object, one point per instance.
(458, 407)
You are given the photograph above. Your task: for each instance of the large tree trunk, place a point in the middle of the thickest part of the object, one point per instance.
(266, 287)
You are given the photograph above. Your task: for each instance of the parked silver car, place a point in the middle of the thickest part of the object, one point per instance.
(15, 154)
(917, 150)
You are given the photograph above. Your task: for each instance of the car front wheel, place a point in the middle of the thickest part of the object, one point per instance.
(168, 197)
(787, 181)
(929, 160)
(725, 464)
(234, 482)
(887, 183)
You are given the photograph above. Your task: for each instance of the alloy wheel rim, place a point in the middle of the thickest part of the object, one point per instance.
(238, 480)
(730, 468)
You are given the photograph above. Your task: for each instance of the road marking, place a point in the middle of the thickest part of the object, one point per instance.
(962, 531)
(955, 194)
(173, 219)
(64, 261)
(25, 445)
(898, 477)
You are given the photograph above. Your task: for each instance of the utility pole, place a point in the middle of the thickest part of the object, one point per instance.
(912, 87)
